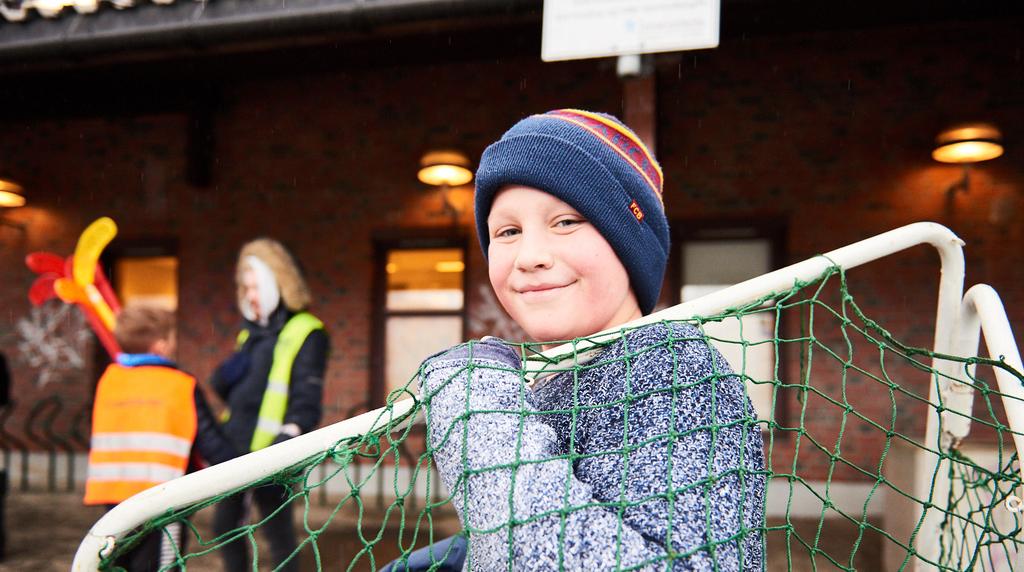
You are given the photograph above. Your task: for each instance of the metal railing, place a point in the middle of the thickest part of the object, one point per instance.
(35, 433)
(411, 450)
(44, 444)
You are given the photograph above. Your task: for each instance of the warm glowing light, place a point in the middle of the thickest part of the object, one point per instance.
(148, 279)
(450, 266)
(445, 168)
(967, 152)
(970, 143)
(425, 269)
(11, 194)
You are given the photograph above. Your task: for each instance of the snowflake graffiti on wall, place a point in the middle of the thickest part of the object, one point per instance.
(52, 338)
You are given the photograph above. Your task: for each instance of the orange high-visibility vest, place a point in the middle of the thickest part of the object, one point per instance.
(143, 427)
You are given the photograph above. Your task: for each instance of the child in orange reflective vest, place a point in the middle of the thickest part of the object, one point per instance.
(149, 425)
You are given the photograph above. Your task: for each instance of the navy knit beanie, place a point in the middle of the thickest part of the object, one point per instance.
(599, 167)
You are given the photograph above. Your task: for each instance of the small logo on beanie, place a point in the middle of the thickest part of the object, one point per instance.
(635, 208)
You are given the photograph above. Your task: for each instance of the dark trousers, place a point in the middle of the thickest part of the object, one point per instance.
(279, 531)
(446, 555)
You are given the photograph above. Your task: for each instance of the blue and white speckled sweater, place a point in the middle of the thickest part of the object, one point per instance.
(641, 459)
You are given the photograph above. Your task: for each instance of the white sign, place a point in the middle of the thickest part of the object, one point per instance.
(577, 29)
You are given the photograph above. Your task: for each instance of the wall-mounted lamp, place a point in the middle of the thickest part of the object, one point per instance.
(12, 196)
(966, 144)
(439, 168)
(445, 169)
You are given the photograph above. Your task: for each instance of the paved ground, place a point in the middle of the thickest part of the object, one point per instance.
(44, 530)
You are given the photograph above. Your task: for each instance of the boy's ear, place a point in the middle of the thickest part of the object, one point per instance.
(160, 348)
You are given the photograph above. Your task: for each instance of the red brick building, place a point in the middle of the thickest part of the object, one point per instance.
(809, 130)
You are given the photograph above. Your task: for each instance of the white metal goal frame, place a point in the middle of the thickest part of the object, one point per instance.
(960, 321)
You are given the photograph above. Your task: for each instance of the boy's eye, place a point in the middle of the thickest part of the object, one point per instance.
(506, 232)
(569, 222)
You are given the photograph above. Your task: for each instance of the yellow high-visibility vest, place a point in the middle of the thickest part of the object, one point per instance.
(143, 427)
(275, 398)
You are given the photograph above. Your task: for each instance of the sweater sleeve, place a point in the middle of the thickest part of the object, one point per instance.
(305, 392)
(219, 384)
(519, 496)
(211, 444)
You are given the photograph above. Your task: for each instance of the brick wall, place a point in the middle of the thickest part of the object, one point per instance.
(829, 132)
(832, 133)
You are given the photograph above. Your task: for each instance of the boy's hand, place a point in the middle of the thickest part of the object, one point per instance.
(458, 358)
(489, 348)
(287, 432)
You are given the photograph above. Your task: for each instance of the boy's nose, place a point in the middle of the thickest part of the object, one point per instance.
(534, 253)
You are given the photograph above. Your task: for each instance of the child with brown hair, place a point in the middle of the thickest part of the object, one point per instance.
(149, 425)
(648, 456)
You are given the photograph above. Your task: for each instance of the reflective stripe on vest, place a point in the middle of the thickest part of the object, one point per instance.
(275, 397)
(146, 472)
(144, 424)
(141, 441)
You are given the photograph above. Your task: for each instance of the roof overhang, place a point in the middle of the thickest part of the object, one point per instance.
(204, 24)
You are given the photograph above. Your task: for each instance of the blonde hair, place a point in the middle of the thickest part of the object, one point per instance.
(141, 325)
(295, 294)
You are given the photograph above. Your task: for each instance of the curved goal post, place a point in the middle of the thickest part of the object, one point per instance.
(879, 454)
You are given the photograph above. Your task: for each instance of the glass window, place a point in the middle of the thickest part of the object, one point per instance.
(149, 279)
(423, 311)
(425, 279)
(711, 265)
(411, 339)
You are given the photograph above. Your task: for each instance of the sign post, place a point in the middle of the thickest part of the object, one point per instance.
(580, 29)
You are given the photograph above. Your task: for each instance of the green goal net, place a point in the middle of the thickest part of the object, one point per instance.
(848, 480)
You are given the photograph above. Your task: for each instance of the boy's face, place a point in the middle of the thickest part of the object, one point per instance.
(552, 270)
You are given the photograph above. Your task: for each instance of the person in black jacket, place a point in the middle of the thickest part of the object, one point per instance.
(272, 385)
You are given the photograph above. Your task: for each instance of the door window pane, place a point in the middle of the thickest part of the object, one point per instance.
(423, 309)
(410, 340)
(149, 279)
(725, 262)
(425, 279)
(711, 265)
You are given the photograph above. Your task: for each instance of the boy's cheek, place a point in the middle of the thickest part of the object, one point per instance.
(503, 299)
(499, 266)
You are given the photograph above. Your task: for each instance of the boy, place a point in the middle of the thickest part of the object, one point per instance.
(149, 422)
(646, 457)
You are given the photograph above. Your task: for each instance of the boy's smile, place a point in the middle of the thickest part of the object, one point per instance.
(552, 270)
(539, 290)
